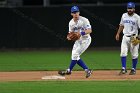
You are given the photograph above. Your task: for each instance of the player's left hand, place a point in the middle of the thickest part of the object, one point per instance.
(73, 36)
(135, 40)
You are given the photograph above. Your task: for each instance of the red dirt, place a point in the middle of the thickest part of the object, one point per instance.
(110, 75)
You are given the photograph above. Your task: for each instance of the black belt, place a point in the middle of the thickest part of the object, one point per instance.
(130, 35)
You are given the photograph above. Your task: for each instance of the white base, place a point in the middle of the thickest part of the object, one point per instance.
(53, 77)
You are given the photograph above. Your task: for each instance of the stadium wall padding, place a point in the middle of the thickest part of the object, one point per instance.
(39, 27)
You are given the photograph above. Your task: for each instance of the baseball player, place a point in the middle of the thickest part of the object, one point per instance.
(129, 24)
(82, 26)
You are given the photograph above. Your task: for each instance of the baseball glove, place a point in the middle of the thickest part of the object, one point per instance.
(135, 40)
(73, 36)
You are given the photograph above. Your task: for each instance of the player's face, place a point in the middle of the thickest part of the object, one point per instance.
(75, 15)
(130, 11)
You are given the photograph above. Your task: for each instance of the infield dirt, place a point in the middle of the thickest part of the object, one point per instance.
(99, 75)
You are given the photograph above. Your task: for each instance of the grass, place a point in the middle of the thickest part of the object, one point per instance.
(71, 87)
(57, 60)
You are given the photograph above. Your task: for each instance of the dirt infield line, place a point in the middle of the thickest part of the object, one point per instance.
(99, 75)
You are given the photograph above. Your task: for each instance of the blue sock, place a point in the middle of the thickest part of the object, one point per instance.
(123, 60)
(72, 64)
(134, 62)
(82, 64)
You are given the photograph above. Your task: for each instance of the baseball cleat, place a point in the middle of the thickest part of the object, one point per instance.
(132, 72)
(61, 72)
(67, 72)
(123, 71)
(88, 73)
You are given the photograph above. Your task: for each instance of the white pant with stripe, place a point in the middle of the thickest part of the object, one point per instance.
(79, 47)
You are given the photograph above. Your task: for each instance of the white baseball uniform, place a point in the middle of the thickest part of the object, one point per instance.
(131, 25)
(83, 43)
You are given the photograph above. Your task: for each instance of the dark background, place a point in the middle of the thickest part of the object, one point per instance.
(47, 27)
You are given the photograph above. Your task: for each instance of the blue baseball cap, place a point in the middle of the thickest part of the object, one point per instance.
(74, 9)
(130, 5)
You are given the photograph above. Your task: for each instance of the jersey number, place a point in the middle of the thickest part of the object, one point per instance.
(131, 28)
